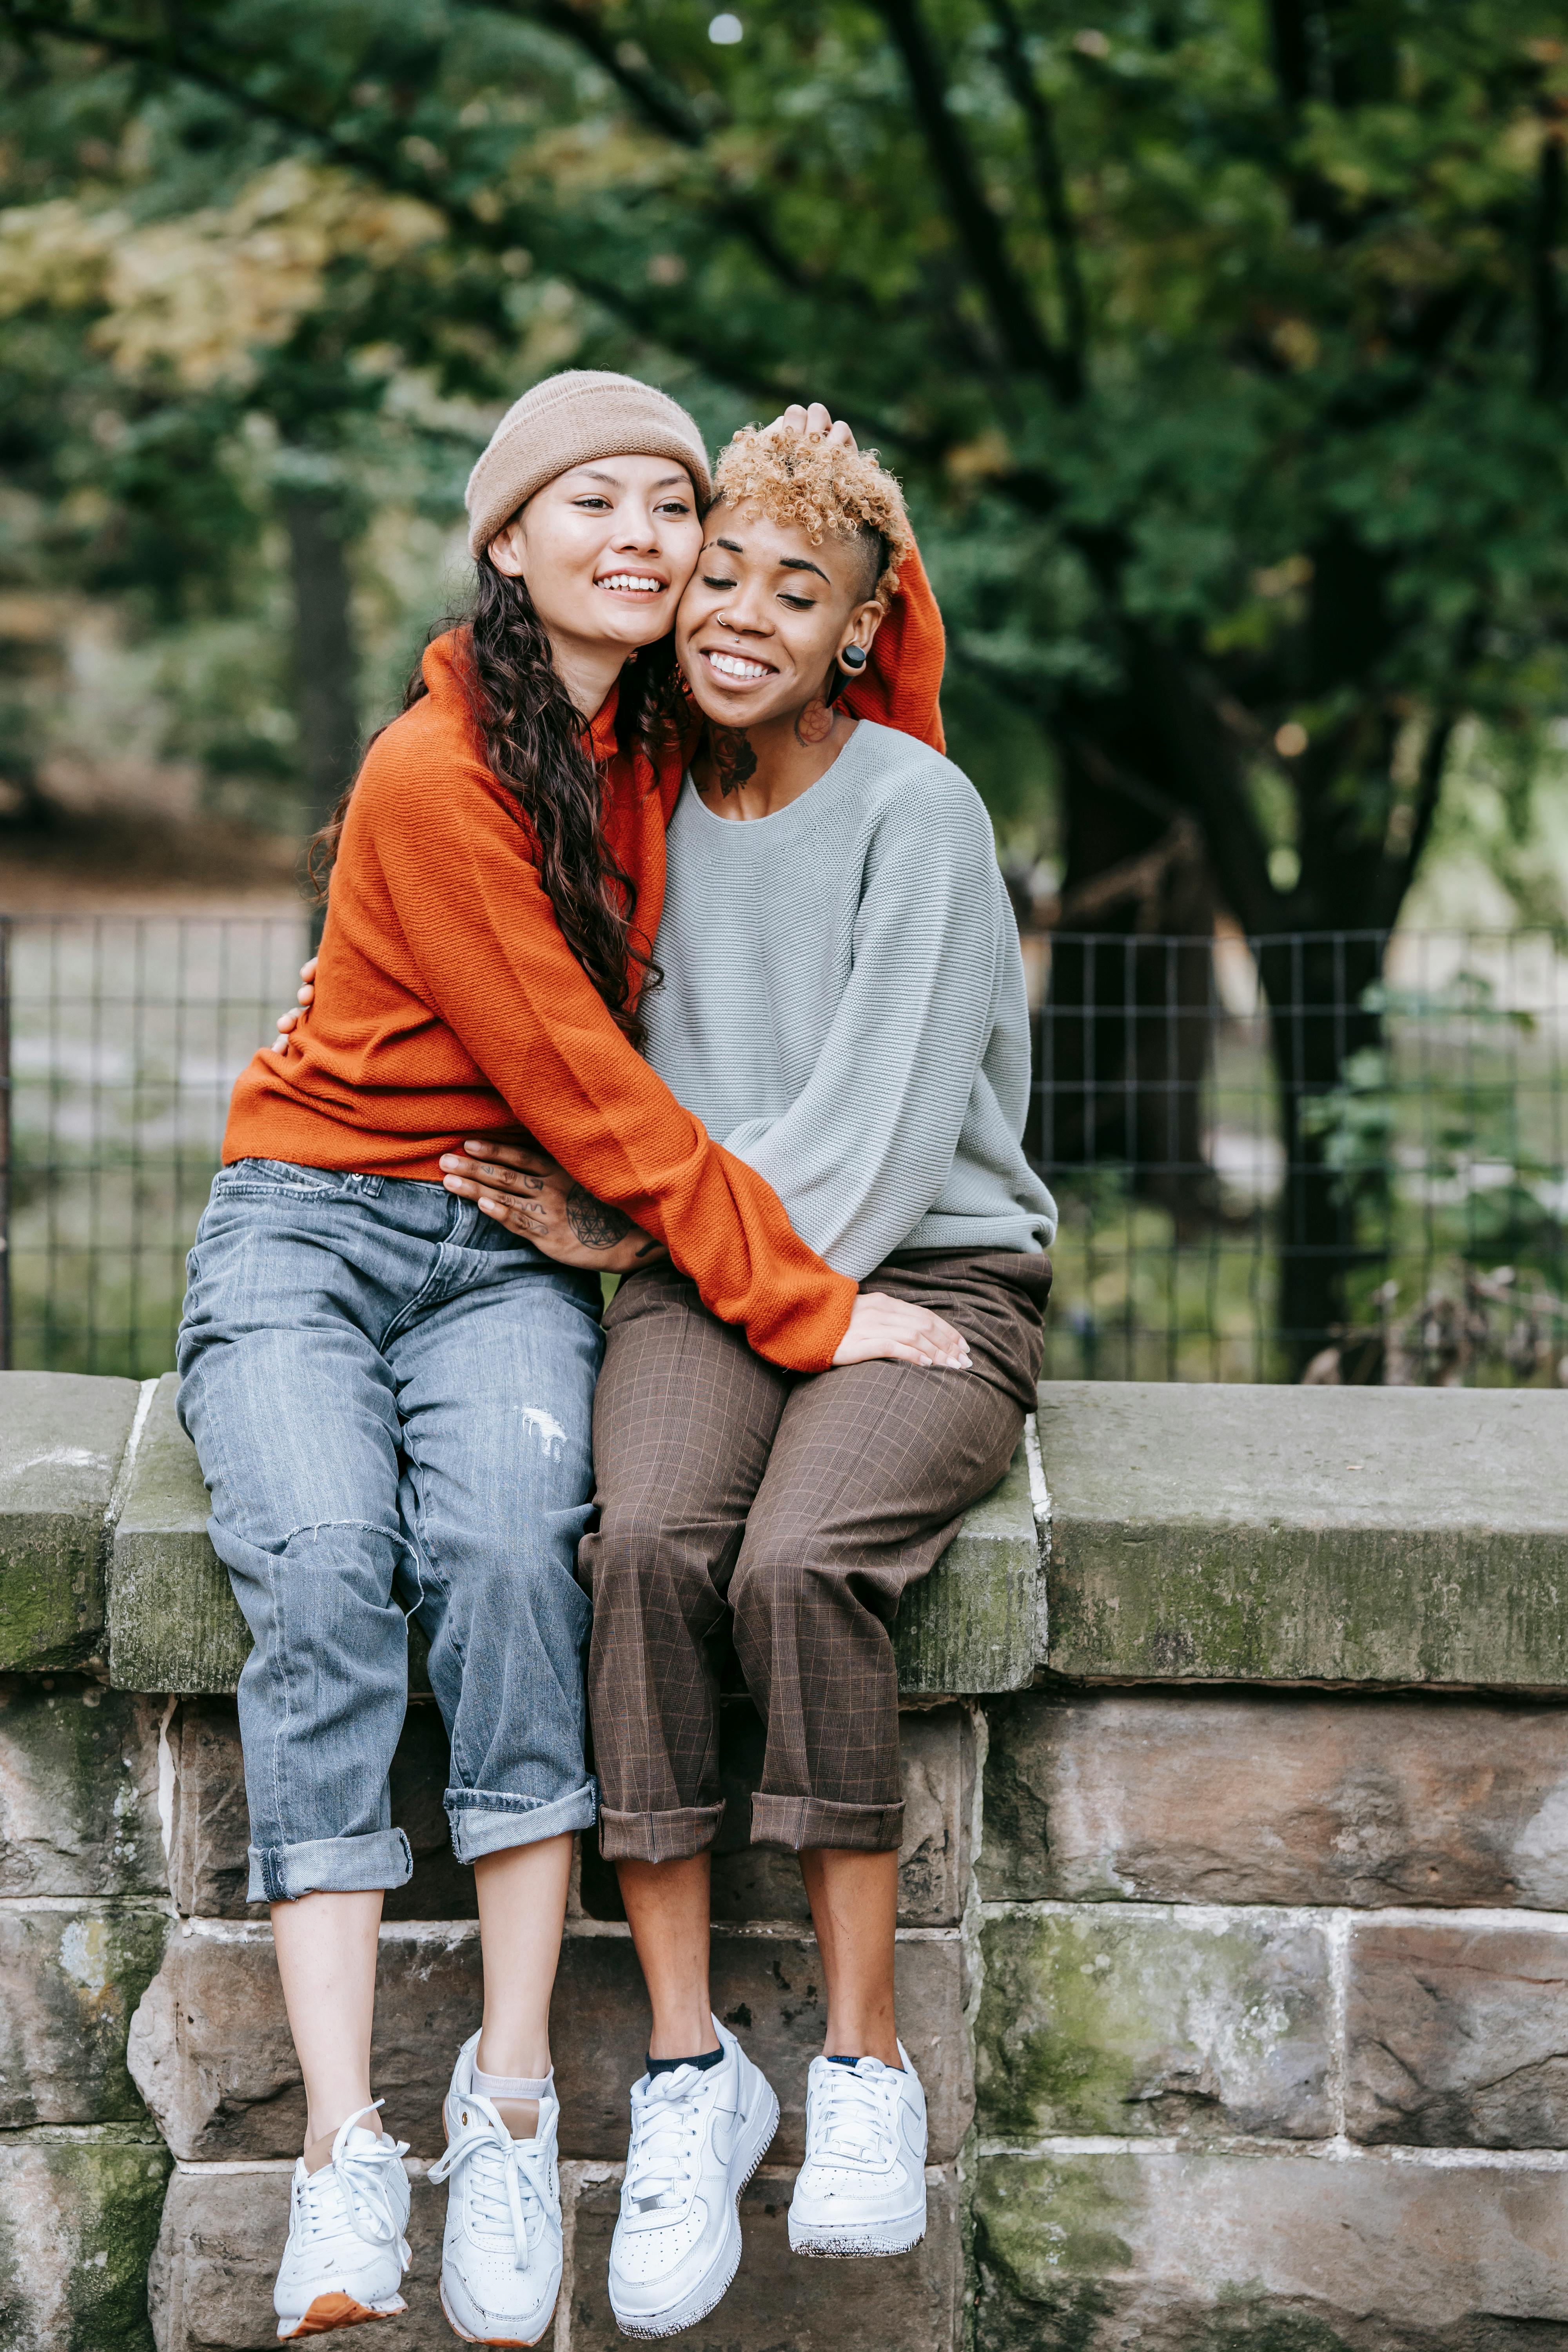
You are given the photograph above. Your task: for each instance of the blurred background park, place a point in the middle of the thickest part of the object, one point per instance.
(1223, 347)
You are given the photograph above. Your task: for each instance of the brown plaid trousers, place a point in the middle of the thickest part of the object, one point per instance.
(795, 1510)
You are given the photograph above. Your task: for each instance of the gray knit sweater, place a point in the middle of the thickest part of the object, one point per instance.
(844, 1006)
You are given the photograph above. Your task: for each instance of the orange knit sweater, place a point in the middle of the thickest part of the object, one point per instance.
(450, 1005)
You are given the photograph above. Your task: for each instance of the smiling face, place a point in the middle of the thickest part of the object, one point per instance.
(767, 614)
(604, 550)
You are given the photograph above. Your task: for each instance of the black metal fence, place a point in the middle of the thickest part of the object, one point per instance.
(1329, 1155)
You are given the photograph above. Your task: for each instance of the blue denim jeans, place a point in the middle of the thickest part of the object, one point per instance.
(391, 1397)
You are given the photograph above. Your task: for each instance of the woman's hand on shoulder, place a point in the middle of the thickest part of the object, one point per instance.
(288, 1022)
(890, 1328)
(533, 1196)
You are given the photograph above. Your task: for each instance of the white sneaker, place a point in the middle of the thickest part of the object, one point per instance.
(501, 2258)
(862, 2189)
(347, 2251)
(698, 2135)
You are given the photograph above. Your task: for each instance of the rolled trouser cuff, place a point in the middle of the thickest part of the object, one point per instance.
(674, 1836)
(488, 1820)
(345, 1865)
(799, 1822)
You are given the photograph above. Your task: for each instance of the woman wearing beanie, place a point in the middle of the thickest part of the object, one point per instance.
(390, 1392)
(844, 1003)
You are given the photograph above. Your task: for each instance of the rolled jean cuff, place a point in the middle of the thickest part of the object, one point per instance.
(798, 1823)
(674, 1836)
(486, 1820)
(345, 1865)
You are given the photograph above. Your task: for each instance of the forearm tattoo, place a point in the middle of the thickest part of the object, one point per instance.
(596, 1226)
(734, 761)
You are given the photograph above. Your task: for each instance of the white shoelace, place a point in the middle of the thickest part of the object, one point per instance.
(666, 2124)
(348, 2185)
(852, 2118)
(504, 2197)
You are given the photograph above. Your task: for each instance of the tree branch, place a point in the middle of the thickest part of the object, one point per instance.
(1014, 319)
(1035, 109)
(174, 56)
(664, 106)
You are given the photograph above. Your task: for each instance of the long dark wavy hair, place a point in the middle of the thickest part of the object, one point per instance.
(533, 738)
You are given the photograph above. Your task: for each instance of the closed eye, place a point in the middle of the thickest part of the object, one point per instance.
(798, 604)
(709, 582)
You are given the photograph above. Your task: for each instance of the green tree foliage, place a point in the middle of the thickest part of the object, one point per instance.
(1222, 343)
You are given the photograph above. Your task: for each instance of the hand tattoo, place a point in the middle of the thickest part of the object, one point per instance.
(734, 760)
(596, 1226)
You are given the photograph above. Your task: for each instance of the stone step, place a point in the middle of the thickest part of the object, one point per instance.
(1275, 1797)
(174, 1624)
(210, 2052)
(71, 1977)
(78, 2218)
(1116, 2020)
(210, 1831)
(1102, 2250)
(211, 2279)
(78, 1788)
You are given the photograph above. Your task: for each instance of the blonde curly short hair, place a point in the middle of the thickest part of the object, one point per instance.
(800, 478)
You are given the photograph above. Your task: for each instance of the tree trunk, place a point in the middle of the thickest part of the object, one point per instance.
(1314, 988)
(1121, 1045)
(326, 677)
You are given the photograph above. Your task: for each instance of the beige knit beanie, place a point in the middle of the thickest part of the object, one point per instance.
(570, 420)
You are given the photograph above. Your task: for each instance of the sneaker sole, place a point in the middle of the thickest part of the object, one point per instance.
(645, 2328)
(337, 2310)
(525, 2341)
(870, 2238)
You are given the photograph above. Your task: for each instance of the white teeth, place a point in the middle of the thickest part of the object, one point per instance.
(731, 665)
(630, 580)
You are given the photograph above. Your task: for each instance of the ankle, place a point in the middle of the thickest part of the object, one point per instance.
(520, 2116)
(683, 2037)
(320, 2138)
(863, 2041)
(513, 2054)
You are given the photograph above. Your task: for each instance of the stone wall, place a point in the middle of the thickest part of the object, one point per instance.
(1233, 1906)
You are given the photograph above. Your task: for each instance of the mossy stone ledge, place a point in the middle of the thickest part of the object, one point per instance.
(173, 1623)
(63, 1438)
(1413, 1537)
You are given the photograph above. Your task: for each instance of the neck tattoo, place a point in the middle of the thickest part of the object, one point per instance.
(813, 725)
(734, 761)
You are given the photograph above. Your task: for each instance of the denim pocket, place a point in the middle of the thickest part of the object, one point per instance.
(274, 1176)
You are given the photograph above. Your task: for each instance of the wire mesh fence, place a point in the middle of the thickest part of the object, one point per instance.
(1331, 1155)
(126, 1034)
(1336, 1156)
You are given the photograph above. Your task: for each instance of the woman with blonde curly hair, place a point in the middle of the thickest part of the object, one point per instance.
(843, 1001)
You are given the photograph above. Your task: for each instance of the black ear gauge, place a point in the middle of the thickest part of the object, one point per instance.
(853, 658)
